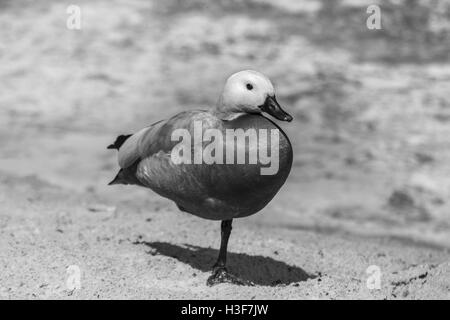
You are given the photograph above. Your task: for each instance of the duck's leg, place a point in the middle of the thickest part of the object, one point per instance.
(220, 273)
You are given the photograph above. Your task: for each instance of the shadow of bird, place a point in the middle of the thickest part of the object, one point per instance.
(259, 270)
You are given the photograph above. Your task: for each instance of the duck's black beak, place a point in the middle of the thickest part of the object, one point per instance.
(272, 107)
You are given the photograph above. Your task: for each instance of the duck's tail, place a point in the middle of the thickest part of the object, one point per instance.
(119, 141)
(127, 176)
(118, 179)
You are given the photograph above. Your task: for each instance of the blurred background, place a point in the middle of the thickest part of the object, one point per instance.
(371, 107)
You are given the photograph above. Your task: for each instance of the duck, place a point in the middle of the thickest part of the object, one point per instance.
(224, 189)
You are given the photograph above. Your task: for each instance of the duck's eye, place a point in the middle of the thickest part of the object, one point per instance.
(249, 86)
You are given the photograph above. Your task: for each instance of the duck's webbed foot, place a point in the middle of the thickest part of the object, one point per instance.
(221, 275)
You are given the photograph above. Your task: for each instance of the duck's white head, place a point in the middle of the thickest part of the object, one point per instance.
(249, 91)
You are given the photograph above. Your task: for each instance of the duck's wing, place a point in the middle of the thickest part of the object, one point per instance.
(155, 138)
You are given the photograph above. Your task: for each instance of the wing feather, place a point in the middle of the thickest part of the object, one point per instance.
(157, 137)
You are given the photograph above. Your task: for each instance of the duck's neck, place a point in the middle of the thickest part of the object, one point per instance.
(226, 112)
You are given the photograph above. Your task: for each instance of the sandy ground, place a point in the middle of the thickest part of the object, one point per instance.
(370, 183)
(144, 248)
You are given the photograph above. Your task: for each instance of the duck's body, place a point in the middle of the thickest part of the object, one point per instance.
(214, 191)
(220, 189)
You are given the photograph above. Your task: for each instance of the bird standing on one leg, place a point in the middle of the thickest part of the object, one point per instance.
(219, 187)
(220, 273)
